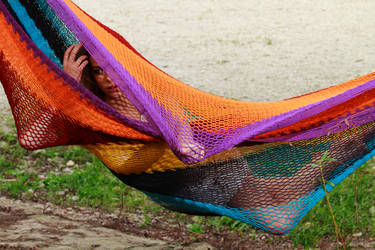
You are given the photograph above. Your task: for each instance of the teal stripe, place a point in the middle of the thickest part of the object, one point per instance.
(61, 28)
(33, 31)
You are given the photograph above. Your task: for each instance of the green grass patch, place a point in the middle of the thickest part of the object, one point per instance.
(46, 174)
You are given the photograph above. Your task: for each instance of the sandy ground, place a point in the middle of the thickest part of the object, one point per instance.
(245, 49)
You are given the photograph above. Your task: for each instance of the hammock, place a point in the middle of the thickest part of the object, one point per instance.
(260, 163)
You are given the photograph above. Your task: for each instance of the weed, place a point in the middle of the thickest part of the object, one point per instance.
(322, 163)
(146, 221)
(268, 41)
(196, 228)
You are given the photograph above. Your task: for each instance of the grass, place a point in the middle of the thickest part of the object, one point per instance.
(71, 176)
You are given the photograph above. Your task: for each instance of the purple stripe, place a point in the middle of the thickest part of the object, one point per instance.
(155, 113)
(127, 84)
(294, 116)
(332, 127)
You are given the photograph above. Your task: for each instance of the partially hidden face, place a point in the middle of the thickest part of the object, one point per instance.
(104, 82)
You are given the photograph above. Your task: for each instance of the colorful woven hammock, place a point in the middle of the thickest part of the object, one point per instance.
(262, 161)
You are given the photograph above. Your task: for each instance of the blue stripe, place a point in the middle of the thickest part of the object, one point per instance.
(33, 31)
(254, 216)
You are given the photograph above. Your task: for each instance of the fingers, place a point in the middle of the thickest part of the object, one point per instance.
(72, 65)
(83, 65)
(67, 54)
(81, 59)
(71, 53)
(74, 51)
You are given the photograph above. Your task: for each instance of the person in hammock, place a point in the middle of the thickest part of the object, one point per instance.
(82, 67)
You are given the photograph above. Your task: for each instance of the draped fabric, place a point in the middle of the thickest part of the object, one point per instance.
(259, 162)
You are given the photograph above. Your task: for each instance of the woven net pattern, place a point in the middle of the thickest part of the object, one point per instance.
(193, 152)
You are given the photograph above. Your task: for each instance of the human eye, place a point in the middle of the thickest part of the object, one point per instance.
(97, 71)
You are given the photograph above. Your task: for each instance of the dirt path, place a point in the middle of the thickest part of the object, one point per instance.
(44, 226)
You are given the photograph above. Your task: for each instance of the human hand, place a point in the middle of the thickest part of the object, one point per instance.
(72, 66)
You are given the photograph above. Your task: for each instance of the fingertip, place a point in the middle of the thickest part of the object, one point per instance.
(83, 64)
(75, 49)
(69, 48)
(82, 58)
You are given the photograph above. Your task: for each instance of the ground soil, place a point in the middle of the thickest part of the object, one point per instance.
(44, 226)
(33, 225)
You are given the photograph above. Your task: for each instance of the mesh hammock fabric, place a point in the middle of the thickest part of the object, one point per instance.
(257, 162)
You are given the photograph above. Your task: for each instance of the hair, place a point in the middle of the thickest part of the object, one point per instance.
(88, 79)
